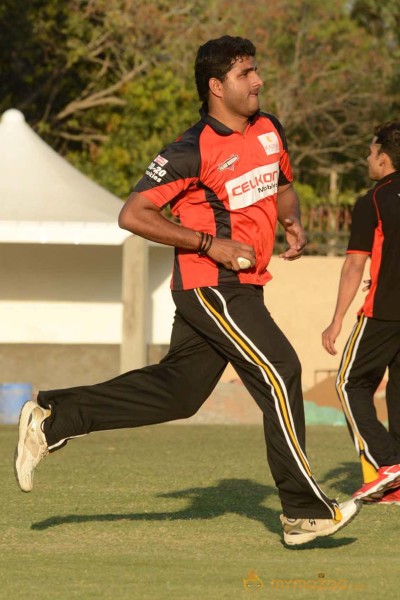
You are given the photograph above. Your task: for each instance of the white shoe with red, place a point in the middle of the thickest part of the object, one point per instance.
(388, 477)
(391, 497)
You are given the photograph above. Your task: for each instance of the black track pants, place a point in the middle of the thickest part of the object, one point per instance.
(213, 326)
(373, 346)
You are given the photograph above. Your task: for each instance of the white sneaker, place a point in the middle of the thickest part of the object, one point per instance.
(32, 445)
(301, 531)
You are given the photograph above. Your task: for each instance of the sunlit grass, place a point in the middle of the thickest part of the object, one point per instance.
(182, 512)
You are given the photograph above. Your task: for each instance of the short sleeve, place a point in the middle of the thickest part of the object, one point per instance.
(363, 225)
(172, 171)
(285, 168)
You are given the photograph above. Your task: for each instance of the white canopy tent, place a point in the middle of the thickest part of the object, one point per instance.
(52, 295)
(44, 199)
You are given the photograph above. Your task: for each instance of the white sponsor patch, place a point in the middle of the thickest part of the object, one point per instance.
(269, 142)
(253, 186)
(160, 161)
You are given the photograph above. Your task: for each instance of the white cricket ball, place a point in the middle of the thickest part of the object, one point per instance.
(244, 263)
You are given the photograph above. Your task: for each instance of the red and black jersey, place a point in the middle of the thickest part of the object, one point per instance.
(375, 230)
(225, 183)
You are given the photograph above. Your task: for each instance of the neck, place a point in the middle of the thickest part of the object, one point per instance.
(386, 171)
(389, 171)
(234, 122)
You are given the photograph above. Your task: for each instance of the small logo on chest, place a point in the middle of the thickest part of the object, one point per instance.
(269, 142)
(229, 163)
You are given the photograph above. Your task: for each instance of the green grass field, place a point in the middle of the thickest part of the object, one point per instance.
(183, 512)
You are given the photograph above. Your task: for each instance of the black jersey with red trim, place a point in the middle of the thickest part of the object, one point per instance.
(222, 182)
(375, 230)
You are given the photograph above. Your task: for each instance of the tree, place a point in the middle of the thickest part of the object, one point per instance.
(70, 57)
(157, 108)
(94, 76)
(382, 20)
(320, 71)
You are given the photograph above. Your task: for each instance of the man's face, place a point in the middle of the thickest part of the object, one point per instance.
(241, 86)
(374, 161)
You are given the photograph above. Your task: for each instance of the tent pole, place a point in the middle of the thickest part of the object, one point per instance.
(135, 261)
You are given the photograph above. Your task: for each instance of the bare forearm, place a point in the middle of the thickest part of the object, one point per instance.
(350, 279)
(164, 231)
(148, 222)
(288, 204)
(143, 218)
(289, 217)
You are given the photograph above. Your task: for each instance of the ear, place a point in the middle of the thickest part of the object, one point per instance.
(385, 164)
(385, 160)
(215, 86)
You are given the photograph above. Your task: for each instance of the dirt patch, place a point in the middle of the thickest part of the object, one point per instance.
(324, 394)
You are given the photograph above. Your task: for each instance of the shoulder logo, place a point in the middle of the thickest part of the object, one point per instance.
(160, 161)
(269, 142)
(155, 169)
(229, 163)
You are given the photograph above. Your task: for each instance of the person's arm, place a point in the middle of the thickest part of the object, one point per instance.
(350, 279)
(141, 216)
(289, 217)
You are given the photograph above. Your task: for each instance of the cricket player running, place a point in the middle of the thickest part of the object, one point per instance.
(228, 179)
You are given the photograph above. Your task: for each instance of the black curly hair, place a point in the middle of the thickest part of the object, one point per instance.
(388, 136)
(215, 58)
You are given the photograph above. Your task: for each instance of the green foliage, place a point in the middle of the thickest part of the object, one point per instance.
(159, 107)
(382, 21)
(308, 196)
(30, 58)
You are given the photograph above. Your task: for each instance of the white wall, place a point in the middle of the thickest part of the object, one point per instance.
(60, 294)
(72, 294)
(60, 322)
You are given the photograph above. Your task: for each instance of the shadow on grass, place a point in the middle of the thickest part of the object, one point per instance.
(236, 496)
(346, 476)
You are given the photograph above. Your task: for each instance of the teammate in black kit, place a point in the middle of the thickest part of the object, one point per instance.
(374, 343)
(228, 179)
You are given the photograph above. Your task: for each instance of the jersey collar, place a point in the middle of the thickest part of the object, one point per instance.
(393, 175)
(219, 127)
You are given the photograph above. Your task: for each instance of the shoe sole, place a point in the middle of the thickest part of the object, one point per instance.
(385, 500)
(300, 539)
(379, 487)
(394, 484)
(24, 420)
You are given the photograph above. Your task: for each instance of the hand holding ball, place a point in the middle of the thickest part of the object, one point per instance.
(244, 263)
